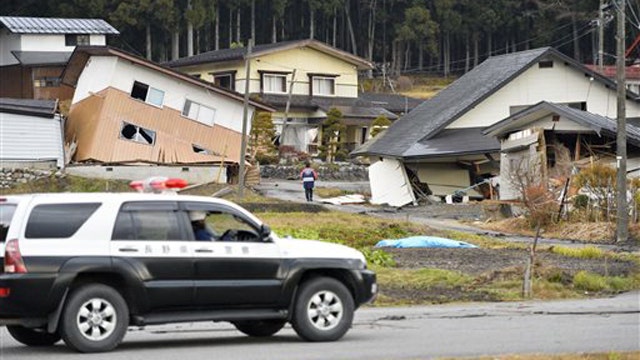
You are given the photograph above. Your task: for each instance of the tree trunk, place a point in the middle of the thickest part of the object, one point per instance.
(407, 56)
(489, 44)
(335, 27)
(476, 50)
(230, 27)
(420, 55)
(352, 35)
(189, 33)
(467, 53)
(148, 40)
(238, 23)
(175, 45)
(445, 54)
(576, 42)
(312, 22)
(274, 30)
(371, 33)
(217, 27)
(253, 20)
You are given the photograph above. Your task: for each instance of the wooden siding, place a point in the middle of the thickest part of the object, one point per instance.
(175, 134)
(62, 92)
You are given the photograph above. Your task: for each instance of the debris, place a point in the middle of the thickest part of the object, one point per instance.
(345, 199)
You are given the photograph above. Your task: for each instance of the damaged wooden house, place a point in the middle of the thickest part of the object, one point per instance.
(127, 110)
(441, 147)
(549, 141)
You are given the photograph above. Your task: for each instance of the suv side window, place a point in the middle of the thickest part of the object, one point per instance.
(142, 222)
(223, 223)
(54, 221)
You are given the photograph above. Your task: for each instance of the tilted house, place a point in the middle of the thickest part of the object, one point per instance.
(308, 75)
(441, 141)
(128, 110)
(31, 133)
(34, 52)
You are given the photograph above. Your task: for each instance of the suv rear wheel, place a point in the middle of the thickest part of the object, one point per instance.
(323, 310)
(259, 328)
(95, 319)
(32, 337)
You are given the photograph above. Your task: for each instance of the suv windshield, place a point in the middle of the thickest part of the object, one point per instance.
(6, 214)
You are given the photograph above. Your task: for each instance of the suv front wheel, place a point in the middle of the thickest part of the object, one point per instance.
(95, 319)
(323, 310)
(32, 337)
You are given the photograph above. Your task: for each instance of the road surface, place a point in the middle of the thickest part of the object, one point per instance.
(574, 326)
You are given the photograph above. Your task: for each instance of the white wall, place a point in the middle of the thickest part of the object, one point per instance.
(8, 43)
(103, 71)
(54, 42)
(560, 84)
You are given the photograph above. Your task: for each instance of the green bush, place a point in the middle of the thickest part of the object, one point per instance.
(587, 281)
(378, 257)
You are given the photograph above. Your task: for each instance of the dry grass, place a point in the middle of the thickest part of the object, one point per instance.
(598, 232)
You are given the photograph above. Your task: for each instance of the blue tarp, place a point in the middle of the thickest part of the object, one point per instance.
(424, 242)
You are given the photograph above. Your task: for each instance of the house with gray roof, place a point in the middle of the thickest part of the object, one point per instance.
(441, 142)
(34, 52)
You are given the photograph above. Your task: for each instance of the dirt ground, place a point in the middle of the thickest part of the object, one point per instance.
(488, 265)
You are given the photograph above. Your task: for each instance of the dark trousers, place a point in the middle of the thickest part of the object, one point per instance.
(308, 193)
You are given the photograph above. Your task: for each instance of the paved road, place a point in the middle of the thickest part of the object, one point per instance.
(596, 325)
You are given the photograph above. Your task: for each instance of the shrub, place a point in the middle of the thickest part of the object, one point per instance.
(378, 257)
(587, 252)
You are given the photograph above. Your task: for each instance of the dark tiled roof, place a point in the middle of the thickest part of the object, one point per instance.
(37, 25)
(598, 123)
(350, 107)
(429, 118)
(237, 54)
(41, 108)
(395, 103)
(32, 58)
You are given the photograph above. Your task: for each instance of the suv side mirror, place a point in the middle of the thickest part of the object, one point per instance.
(265, 231)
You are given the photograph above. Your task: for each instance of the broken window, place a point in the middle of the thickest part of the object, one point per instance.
(147, 93)
(137, 134)
(198, 112)
(201, 150)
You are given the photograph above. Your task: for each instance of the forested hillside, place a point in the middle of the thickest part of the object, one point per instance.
(432, 36)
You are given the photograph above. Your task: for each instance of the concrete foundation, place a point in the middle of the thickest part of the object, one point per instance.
(193, 174)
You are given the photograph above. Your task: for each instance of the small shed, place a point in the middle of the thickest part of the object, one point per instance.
(31, 133)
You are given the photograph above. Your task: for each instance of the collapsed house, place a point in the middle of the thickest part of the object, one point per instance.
(441, 143)
(128, 110)
(550, 140)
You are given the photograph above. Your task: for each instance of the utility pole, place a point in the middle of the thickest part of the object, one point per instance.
(601, 37)
(245, 118)
(285, 121)
(622, 230)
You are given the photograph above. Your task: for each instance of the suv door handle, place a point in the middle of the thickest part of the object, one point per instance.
(204, 250)
(128, 249)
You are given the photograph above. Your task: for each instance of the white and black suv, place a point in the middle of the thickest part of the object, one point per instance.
(82, 267)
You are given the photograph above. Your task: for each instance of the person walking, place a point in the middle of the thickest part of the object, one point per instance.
(308, 176)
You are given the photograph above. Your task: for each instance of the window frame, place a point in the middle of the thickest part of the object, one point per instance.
(129, 208)
(122, 137)
(312, 84)
(275, 74)
(86, 209)
(200, 105)
(77, 39)
(231, 75)
(149, 90)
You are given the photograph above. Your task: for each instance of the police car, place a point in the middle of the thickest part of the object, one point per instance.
(83, 267)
